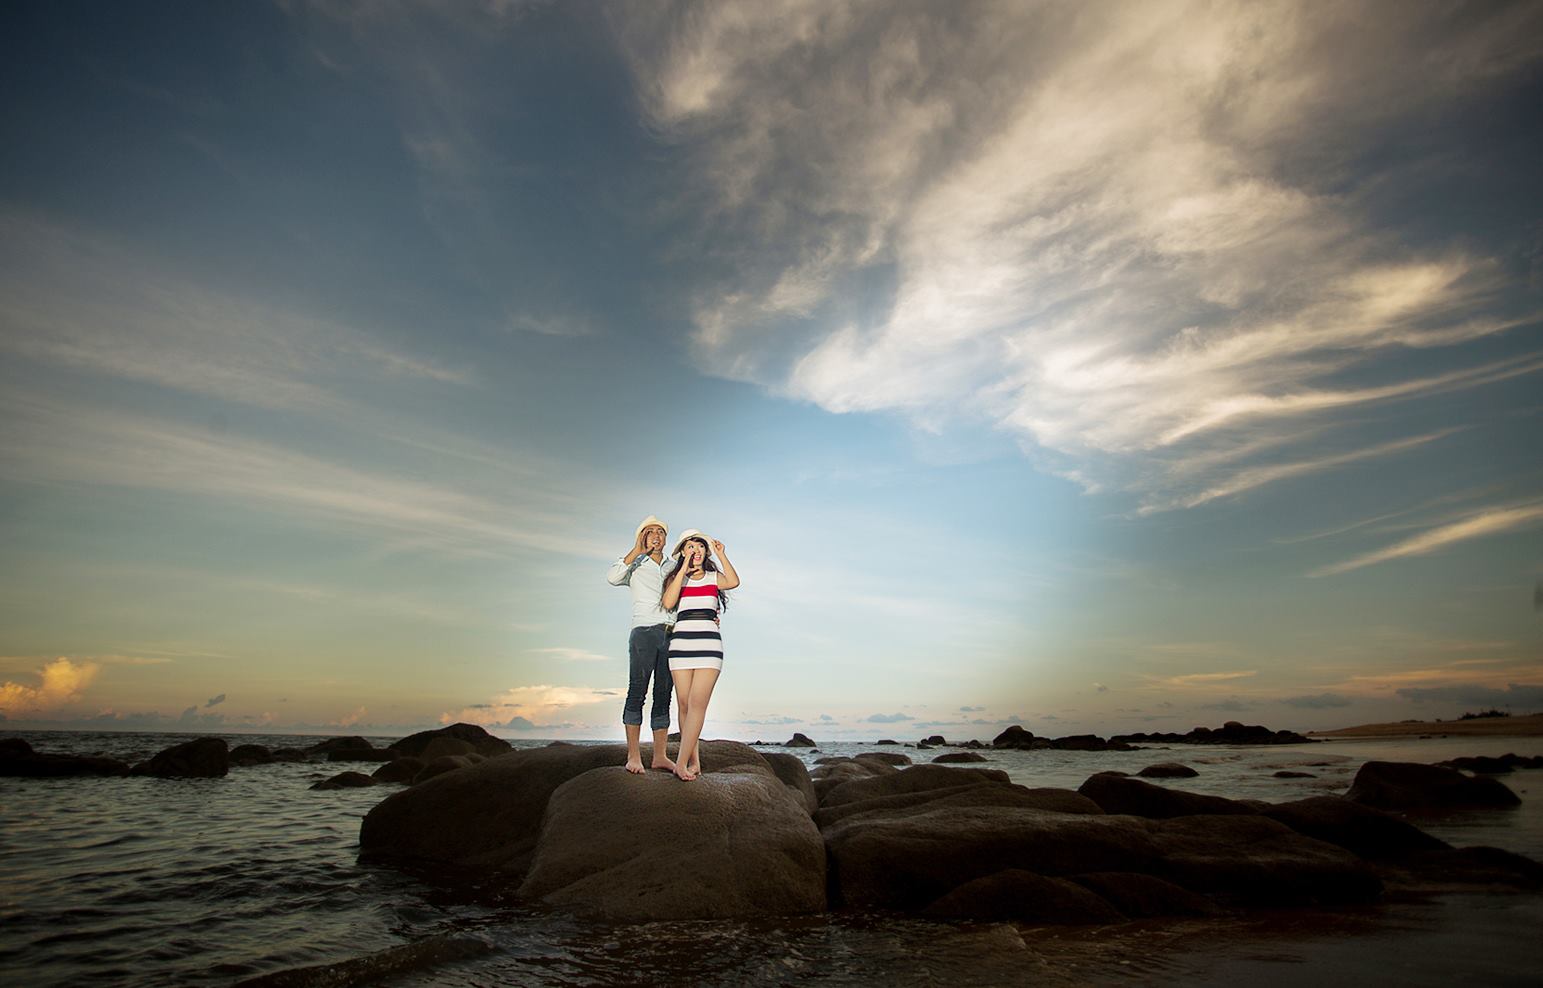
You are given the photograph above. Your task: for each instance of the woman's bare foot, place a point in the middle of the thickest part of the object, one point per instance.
(695, 768)
(635, 764)
(663, 762)
(682, 774)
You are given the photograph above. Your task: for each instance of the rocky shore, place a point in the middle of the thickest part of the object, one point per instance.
(759, 835)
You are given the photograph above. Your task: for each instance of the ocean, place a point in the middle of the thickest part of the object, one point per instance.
(143, 881)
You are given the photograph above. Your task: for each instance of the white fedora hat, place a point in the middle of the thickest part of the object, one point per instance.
(689, 534)
(650, 520)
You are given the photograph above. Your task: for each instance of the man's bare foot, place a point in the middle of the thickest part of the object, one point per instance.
(635, 764)
(663, 762)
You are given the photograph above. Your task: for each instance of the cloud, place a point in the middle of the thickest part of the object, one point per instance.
(1318, 701)
(60, 681)
(542, 706)
(1100, 688)
(826, 718)
(352, 718)
(568, 654)
(1096, 229)
(774, 720)
(1472, 694)
(1479, 524)
(1205, 679)
(971, 710)
(215, 700)
(46, 440)
(888, 718)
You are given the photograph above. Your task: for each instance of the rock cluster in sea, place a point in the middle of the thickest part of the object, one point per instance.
(759, 835)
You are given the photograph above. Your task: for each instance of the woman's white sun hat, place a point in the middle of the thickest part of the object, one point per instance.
(689, 534)
(651, 520)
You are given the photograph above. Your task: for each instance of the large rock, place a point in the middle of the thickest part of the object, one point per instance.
(914, 779)
(486, 816)
(791, 772)
(1014, 737)
(1125, 794)
(403, 769)
(1470, 866)
(1231, 732)
(632, 849)
(1410, 786)
(201, 758)
(971, 794)
(798, 741)
(446, 745)
(1023, 896)
(909, 861)
(349, 743)
(345, 780)
(1369, 832)
(958, 757)
(17, 759)
(1140, 896)
(361, 755)
(480, 740)
(1168, 770)
(439, 766)
(892, 758)
(250, 754)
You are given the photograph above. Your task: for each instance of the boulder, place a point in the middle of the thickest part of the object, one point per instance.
(726, 846)
(956, 757)
(361, 755)
(487, 816)
(1014, 737)
(914, 779)
(403, 769)
(829, 776)
(350, 743)
(445, 745)
(17, 759)
(1368, 832)
(1287, 773)
(886, 741)
(936, 740)
(345, 780)
(480, 740)
(250, 754)
(1411, 786)
(1168, 770)
(791, 772)
(972, 794)
(893, 758)
(798, 741)
(288, 754)
(1140, 896)
(1023, 896)
(908, 861)
(1231, 732)
(439, 766)
(201, 758)
(1128, 795)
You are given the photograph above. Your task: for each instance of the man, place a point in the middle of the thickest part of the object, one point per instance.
(644, 569)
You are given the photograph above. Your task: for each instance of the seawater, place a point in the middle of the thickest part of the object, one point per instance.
(141, 881)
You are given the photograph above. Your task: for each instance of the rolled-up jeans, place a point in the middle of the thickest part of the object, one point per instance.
(649, 652)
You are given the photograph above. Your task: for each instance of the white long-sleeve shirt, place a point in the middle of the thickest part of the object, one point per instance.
(646, 579)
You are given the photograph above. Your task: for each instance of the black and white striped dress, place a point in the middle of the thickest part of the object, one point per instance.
(696, 643)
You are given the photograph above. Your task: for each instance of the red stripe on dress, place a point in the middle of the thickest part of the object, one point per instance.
(704, 591)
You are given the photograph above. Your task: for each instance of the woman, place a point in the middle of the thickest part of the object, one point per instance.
(696, 647)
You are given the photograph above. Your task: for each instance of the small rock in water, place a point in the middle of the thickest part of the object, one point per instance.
(1287, 773)
(345, 780)
(798, 741)
(1168, 770)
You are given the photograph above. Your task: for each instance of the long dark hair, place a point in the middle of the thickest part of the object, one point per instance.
(707, 567)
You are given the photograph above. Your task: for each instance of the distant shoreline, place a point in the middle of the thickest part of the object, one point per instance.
(1530, 726)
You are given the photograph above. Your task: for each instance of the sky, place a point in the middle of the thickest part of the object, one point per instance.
(1096, 367)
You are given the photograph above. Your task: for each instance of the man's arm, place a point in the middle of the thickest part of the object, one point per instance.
(620, 572)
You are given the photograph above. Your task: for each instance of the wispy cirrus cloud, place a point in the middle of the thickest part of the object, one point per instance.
(44, 440)
(1096, 229)
(1485, 522)
(569, 654)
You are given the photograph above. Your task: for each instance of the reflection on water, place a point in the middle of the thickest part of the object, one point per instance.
(145, 881)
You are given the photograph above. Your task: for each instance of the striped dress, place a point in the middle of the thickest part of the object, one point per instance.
(695, 643)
